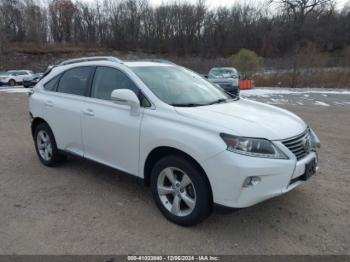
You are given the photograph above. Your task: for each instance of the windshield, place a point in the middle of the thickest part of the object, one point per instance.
(222, 73)
(180, 87)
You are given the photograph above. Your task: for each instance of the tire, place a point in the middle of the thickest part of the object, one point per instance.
(45, 146)
(184, 205)
(12, 82)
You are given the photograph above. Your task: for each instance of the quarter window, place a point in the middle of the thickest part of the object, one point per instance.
(52, 84)
(108, 79)
(75, 81)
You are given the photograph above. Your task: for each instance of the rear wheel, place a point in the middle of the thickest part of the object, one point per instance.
(12, 82)
(180, 191)
(46, 147)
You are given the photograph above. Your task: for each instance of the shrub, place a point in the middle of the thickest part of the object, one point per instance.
(319, 78)
(247, 62)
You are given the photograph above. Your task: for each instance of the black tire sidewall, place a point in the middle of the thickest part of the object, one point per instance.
(12, 82)
(56, 157)
(203, 197)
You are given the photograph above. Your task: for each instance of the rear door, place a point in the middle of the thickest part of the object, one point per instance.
(63, 101)
(20, 75)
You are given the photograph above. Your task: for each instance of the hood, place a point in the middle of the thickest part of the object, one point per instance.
(222, 80)
(248, 118)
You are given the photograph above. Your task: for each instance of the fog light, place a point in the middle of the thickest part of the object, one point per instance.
(251, 181)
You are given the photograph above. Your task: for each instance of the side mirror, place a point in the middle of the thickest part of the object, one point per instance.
(126, 97)
(206, 76)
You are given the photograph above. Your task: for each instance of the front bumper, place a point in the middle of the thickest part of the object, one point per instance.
(227, 172)
(27, 83)
(230, 88)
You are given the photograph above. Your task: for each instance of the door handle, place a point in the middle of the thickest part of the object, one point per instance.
(88, 112)
(49, 103)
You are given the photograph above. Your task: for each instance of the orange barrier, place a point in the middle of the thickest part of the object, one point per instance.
(246, 84)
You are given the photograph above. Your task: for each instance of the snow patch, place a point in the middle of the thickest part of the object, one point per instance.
(15, 90)
(305, 92)
(320, 103)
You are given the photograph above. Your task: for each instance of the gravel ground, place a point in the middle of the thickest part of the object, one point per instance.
(85, 208)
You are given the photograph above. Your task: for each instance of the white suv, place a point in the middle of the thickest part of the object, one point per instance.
(14, 77)
(196, 147)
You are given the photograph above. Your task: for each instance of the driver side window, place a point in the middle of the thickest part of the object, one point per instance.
(107, 79)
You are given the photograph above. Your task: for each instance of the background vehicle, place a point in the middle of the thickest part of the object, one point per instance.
(14, 77)
(32, 80)
(2, 73)
(195, 145)
(226, 77)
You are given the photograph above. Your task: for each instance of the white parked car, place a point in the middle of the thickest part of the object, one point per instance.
(197, 147)
(14, 77)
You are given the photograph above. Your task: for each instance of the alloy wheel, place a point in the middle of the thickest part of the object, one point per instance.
(176, 191)
(44, 145)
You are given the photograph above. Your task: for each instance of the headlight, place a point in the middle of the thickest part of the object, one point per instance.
(256, 147)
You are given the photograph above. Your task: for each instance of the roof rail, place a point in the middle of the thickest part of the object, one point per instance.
(164, 61)
(91, 58)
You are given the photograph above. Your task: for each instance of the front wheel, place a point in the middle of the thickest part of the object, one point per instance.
(181, 190)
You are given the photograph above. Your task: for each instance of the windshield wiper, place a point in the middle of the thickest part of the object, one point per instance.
(187, 105)
(221, 100)
(218, 101)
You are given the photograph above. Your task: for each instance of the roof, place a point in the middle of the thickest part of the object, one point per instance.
(105, 61)
(145, 63)
(142, 62)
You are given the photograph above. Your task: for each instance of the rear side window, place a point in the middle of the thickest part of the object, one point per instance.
(107, 79)
(75, 81)
(52, 84)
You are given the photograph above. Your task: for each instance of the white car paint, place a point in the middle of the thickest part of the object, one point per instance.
(111, 134)
(249, 119)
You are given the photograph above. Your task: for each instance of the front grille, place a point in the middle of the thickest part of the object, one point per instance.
(298, 144)
(225, 85)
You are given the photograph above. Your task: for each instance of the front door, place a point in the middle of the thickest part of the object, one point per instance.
(110, 132)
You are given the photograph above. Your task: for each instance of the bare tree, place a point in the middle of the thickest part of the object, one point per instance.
(35, 21)
(298, 11)
(180, 27)
(13, 23)
(61, 14)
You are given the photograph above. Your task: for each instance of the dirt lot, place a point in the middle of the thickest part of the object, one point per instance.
(85, 208)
